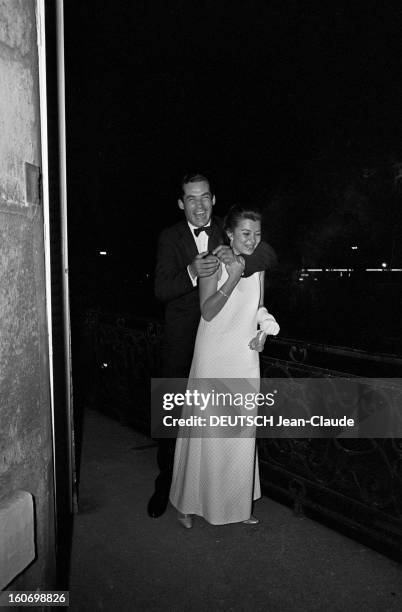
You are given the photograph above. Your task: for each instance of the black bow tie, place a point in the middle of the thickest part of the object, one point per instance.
(197, 230)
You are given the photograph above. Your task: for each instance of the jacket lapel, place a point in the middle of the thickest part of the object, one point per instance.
(186, 243)
(216, 237)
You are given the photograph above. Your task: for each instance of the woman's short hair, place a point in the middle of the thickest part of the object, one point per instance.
(237, 213)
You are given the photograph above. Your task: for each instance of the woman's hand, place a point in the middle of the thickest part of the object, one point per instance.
(257, 343)
(236, 268)
(224, 254)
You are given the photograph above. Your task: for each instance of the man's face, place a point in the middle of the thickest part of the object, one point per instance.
(197, 203)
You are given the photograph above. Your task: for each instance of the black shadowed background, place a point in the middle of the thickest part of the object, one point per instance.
(291, 106)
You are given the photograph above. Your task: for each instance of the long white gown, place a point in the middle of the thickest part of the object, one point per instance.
(218, 478)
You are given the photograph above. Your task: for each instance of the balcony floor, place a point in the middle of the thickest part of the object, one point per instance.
(123, 560)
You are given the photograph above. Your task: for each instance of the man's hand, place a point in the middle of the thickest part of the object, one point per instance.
(203, 265)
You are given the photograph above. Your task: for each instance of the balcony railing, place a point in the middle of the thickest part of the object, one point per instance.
(354, 484)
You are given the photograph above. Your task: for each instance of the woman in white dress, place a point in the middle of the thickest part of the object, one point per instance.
(217, 477)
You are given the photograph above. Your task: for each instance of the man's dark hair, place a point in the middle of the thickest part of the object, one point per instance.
(194, 178)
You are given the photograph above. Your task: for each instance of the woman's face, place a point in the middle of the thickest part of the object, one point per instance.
(245, 237)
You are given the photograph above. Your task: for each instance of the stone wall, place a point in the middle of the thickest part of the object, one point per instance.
(25, 411)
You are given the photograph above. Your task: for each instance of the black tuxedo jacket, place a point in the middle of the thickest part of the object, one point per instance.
(176, 250)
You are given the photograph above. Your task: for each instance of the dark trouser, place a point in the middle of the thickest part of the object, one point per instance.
(165, 458)
(176, 365)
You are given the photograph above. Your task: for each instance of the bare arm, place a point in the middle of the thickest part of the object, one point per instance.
(266, 321)
(262, 279)
(257, 343)
(262, 336)
(212, 299)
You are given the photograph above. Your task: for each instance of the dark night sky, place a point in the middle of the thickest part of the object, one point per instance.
(251, 93)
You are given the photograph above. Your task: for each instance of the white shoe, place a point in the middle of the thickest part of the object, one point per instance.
(251, 521)
(185, 520)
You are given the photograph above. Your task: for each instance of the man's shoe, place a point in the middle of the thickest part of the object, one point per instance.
(157, 505)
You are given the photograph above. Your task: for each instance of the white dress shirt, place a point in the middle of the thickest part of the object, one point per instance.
(202, 245)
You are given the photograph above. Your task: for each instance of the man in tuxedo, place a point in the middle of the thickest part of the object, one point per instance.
(188, 251)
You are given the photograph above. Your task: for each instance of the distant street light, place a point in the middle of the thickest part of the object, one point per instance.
(384, 264)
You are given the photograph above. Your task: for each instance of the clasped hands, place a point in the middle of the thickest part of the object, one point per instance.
(206, 264)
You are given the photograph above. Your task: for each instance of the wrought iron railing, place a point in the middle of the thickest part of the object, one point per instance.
(355, 484)
(121, 360)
